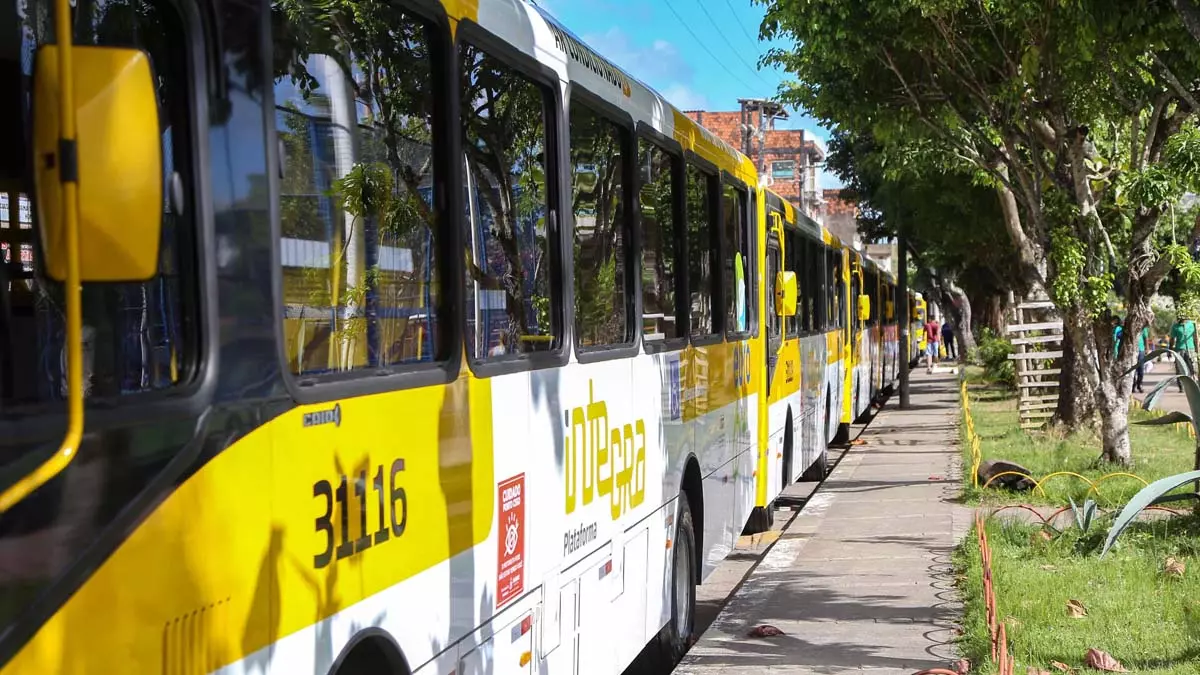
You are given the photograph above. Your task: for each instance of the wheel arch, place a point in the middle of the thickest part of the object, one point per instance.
(373, 646)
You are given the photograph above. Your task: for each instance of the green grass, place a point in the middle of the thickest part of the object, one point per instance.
(1147, 620)
(1157, 452)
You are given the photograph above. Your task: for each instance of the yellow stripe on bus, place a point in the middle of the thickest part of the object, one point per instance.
(227, 564)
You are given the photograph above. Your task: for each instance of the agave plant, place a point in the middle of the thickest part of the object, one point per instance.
(1191, 389)
(1148, 496)
(1083, 515)
(1156, 492)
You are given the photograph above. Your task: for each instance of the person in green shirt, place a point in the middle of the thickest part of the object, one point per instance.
(1183, 341)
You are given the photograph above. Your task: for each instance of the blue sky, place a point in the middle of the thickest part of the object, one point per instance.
(706, 61)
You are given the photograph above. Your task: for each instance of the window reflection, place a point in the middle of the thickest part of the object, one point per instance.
(508, 256)
(360, 270)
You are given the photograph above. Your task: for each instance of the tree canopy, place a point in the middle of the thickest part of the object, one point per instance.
(1080, 115)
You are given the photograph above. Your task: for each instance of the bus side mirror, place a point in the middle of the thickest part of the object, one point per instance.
(864, 307)
(117, 161)
(785, 294)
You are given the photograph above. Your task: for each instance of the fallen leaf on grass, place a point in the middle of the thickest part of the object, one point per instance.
(1103, 661)
(1062, 666)
(1174, 568)
(1049, 568)
(963, 667)
(765, 630)
(1076, 609)
(1039, 537)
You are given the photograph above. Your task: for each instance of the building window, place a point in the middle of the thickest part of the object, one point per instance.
(661, 231)
(599, 153)
(510, 306)
(701, 220)
(783, 170)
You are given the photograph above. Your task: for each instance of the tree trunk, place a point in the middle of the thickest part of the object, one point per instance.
(1079, 379)
(1113, 403)
(1116, 380)
(962, 318)
(994, 314)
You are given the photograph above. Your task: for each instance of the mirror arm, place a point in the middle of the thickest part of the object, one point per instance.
(69, 167)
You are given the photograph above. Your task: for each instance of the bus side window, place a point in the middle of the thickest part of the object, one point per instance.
(138, 337)
(511, 305)
(702, 224)
(361, 277)
(600, 151)
(661, 231)
(738, 266)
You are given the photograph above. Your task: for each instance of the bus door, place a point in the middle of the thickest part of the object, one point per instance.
(774, 267)
(856, 322)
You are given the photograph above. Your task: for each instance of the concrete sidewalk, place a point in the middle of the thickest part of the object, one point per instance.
(861, 581)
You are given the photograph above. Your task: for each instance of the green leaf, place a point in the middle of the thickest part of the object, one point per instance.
(1156, 393)
(1076, 512)
(1192, 390)
(1145, 497)
(1089, 513)
(1170, 418)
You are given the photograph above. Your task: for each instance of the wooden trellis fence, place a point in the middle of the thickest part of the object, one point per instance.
(1037, 352)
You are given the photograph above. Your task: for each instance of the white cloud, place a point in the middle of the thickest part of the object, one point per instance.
(682, 97)
(658, 64)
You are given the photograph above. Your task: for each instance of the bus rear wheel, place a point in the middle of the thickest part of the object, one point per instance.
(675, 638)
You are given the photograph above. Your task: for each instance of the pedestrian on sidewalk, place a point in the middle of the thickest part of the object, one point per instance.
(1183, 341)
(1143, 341)
(932, 332)
(948, 340)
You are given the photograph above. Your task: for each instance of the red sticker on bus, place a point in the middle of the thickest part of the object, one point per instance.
(510, 559)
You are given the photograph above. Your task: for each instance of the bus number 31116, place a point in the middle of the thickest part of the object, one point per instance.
(392, 510)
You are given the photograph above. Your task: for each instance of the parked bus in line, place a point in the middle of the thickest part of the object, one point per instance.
(416, 339)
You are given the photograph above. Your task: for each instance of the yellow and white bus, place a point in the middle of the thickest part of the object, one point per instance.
(389, 338)
(829, 361)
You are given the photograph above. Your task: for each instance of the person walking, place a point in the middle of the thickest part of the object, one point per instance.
(1139, 374)
(1183, 341)
(932, 332)
(948, 340)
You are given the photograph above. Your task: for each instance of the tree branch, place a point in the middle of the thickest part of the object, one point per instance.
(1174, 82)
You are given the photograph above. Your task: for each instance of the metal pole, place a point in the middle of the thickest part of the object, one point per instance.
(762, 138)
(905, 313)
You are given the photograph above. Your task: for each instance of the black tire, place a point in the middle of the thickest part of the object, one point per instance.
(815, 473)
(676, 637)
